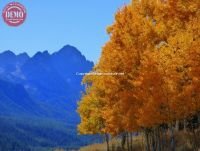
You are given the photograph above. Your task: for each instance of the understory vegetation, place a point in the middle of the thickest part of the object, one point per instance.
(184, 141)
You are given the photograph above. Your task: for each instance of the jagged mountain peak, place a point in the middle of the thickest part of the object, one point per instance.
(8, 53)
(41, 54)
(44, 86)
(24, 55)
(69, 51)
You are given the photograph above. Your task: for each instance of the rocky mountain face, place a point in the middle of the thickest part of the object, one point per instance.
(44, 86)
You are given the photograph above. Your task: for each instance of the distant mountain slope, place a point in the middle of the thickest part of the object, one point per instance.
(9, 61)
(52, 80)
(49, 79)
(15, 100)
(40, 89)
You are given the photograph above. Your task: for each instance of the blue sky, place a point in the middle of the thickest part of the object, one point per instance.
(51, 24)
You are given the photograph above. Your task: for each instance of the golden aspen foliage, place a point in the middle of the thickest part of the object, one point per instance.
(156, 44)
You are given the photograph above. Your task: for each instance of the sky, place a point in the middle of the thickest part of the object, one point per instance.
(52, 24)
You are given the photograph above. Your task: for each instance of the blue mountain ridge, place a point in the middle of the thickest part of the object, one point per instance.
(38, 99)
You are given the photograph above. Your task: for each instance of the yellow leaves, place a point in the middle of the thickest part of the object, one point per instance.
(182, 40)
(137, 83)
(195, 79)
(161, 29)
(156, 44)
(109, 29)
(188, 6)
(193, 7)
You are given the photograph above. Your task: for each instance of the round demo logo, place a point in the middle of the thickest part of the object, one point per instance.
(14, 14)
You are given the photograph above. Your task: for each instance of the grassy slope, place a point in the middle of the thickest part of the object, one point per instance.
(114, 145)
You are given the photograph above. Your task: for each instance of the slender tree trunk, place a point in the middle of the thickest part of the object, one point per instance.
(128, 144)
(113, 144)
(153, 139)
(198, 118)
(166, 139)
(147, 144)
(107, 142)
(184, 125)
(156, 138)
(198, 126)
(172, 139)
(177, 125)
(131, 135)
(159, 139)
(123, 142)
(195, 141)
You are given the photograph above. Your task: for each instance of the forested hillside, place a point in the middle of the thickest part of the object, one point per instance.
(38, 100)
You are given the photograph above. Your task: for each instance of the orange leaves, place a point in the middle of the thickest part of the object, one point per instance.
(156, 44)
